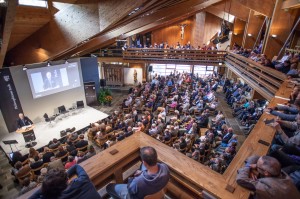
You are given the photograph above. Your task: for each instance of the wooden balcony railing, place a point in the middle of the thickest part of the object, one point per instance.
(264, 80)
(200, 56)
(189, 178)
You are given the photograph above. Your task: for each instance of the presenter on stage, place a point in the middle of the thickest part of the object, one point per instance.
(23, 121)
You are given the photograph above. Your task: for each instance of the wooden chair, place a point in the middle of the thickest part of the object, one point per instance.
(158, 195)
(101, 141)
(64, 158)
(25, 161)
(33, 171)
(126, 110)
(21, 178)
(169, 143)
(83, 149)
(183, 150)
(171, 111)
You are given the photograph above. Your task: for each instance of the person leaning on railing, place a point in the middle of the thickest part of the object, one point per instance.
(264, 177)
(56, 185)
(152, 178)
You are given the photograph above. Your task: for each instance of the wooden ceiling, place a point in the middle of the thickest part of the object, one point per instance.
(117, 19)
(27, 21)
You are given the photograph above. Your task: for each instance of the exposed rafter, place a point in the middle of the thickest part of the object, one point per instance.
(8, 26)
(290, 4)
(139, 25)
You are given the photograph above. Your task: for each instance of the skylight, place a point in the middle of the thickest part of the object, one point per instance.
(37, 3)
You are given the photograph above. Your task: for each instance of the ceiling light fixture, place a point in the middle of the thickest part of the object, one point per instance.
(48, 63)
(250, 35)
(274, 36)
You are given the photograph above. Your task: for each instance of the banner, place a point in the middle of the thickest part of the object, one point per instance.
(9, 101)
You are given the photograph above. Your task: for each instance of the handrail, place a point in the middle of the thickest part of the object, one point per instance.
(193, 178)
(186, 172)
(203, 56)
(264, 80)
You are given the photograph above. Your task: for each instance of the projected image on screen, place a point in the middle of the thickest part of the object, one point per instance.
(49, 80)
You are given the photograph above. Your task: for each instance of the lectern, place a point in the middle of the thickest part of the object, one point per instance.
(28, 135)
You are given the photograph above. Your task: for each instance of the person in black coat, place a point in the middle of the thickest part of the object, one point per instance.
(23, 121)
(47, 155)
(17, 156)
(81, 143)
(36, 164)
(71, 148)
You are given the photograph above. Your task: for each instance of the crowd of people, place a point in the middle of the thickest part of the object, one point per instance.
(194, 125)
(288, 64)
(30, 170)
(181, 110)
(178, 46)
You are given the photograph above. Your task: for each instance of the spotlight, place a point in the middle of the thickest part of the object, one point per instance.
(220, 64)
(250, 35)
(24, 67)
(274, 36)
(48, 63)
(235, 33)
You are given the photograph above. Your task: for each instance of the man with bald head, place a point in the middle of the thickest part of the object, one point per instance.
(153, 178)
(264, 177)
(23, 121)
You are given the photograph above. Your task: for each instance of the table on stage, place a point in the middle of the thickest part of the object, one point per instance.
(28, 134)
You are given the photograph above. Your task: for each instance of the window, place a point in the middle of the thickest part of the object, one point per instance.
(37, 3)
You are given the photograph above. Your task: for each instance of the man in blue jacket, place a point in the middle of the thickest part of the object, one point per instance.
(153, 177)
(56, 186)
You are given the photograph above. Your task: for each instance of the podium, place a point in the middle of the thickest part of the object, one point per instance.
(28, 135)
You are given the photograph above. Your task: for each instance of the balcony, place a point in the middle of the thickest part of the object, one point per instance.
(149, 55)
(264, 80)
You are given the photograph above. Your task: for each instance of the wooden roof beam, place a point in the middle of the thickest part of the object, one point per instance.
(8, 26)
(234, 8)
(221, 14)
(137, 26)
(264, 7)
(290, 4)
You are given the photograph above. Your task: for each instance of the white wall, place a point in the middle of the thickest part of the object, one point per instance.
(128, 75)
(35, 108)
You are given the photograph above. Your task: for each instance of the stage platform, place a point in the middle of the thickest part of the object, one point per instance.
(44, 131)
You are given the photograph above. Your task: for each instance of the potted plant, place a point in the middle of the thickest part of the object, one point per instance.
(101, 97)
(108, 99)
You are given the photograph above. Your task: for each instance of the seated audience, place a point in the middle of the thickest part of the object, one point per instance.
(56, 185)
(55, 164)
(264, 177)
(153, 177)
(27, 185)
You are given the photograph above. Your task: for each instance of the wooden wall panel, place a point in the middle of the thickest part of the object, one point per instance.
(171, 33)
(212, 26)
(77, 23)
(238, 32)
(253, 28)
(27, 21)
(111, 12)
(281, 25)
(234, 8)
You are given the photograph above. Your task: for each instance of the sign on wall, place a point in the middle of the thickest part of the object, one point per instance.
(9, 103)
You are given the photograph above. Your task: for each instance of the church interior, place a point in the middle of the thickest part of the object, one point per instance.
(211, 86)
